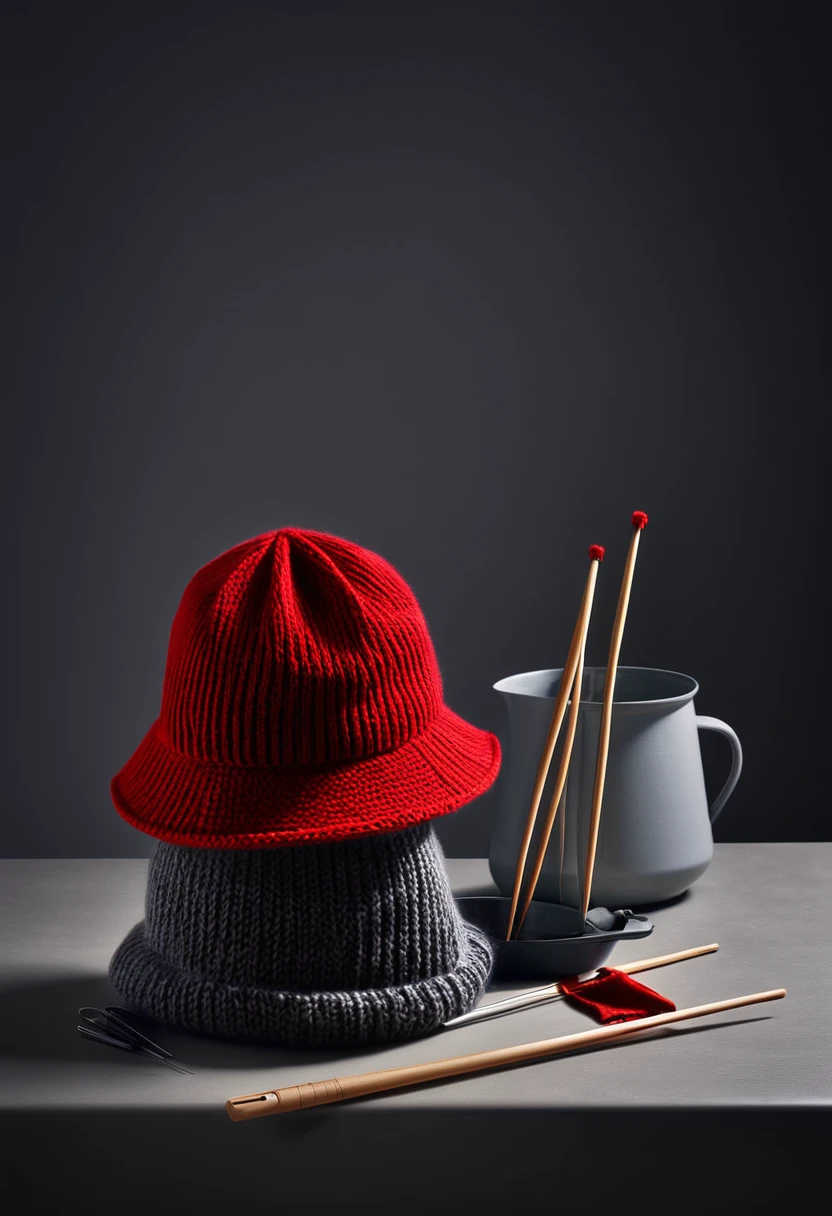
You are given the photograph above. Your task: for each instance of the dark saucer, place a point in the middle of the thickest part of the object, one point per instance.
(553, 943)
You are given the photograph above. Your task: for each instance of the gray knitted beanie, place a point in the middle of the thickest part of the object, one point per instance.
(320, 945)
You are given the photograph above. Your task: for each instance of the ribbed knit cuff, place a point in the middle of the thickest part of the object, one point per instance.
(315, 946)
(349, 1018)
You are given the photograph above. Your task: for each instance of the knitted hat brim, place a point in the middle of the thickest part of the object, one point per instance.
(207, 805)
(298, 1019)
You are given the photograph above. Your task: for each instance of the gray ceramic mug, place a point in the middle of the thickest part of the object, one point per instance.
(655, 835)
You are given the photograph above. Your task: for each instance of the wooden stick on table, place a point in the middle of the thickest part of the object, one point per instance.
(554, 992)
(317, 1093)
(639, 523)
(596, 553)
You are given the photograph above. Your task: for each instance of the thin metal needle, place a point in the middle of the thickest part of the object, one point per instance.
(521, 1000)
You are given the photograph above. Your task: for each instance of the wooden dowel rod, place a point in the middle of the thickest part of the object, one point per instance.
(567, 680)
(562, 838)
(639, 522)
(560, 782)
(318, 1093)
(552, 992)
(663, 960)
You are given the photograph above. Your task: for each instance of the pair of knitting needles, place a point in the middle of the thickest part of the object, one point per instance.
(318, 1093)
(570, 692)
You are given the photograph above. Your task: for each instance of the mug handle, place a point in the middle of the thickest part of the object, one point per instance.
(722, 728)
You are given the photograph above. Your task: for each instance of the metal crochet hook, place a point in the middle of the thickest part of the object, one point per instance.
(106, 1026)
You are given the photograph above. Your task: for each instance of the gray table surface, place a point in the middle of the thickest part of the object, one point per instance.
(768, 906)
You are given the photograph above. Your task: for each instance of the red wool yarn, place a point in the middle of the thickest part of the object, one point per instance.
(302, 702)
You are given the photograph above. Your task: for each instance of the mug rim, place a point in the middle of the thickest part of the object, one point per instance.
(678, 699)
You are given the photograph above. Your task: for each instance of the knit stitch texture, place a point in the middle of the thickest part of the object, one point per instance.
(302, 702)
(325, 945)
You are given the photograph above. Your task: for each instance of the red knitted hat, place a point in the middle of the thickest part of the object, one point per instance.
(302, 702)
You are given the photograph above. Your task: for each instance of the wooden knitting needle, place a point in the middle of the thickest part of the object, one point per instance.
(562, 839)
(639, 523)
(317, 1093)
(596, 552)
(554, 992)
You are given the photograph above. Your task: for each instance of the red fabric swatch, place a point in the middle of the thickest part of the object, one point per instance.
(614, 996)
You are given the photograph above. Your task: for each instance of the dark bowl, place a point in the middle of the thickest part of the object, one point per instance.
(553, 943)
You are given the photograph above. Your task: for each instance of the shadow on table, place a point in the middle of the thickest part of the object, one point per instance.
(38, 1020)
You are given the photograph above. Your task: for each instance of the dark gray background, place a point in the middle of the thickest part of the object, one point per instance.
(465, 284)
